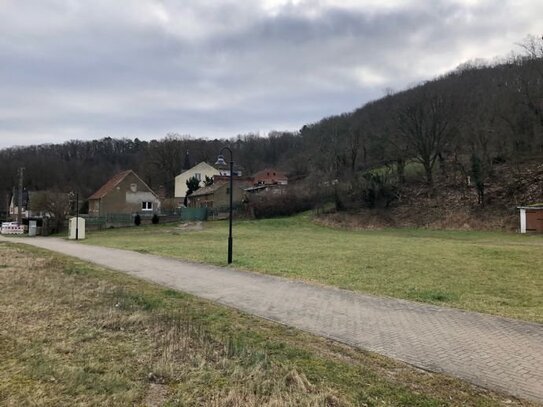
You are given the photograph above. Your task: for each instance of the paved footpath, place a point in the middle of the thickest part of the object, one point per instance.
(497, 353)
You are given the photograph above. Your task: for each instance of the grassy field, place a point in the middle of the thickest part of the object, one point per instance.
(75, 334)
(497, 273)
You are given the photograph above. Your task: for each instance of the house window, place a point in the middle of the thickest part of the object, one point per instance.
(198, 176)
(146, 206)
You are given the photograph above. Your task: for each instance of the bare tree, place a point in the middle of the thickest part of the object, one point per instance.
(533, 46)
(165, 158)
(53, 204)
(426, 125)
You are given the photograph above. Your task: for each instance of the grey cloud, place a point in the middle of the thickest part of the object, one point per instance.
(145, 68)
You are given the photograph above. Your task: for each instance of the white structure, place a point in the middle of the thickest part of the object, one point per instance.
(77, 225)
(522, 220)
(531, 218)
(12, 228)
(32, 228)
(14, 205)
(200, 171)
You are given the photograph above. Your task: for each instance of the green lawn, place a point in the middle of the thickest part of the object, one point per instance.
(498, 273)
(76, 334)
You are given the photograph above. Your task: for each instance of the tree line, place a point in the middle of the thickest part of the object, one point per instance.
(85, 165)
(463, 123)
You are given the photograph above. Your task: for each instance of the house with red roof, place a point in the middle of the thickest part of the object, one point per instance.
(124, 193)
(270, 176)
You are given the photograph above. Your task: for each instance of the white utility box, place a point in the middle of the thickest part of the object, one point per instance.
(77, 227)
(32, 228)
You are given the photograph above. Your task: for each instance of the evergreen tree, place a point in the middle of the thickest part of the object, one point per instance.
(208, 181)
(193, 185)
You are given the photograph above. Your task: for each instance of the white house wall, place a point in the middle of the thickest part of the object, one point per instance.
(202, 168)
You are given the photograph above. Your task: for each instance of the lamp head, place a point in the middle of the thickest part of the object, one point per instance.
(220, 160)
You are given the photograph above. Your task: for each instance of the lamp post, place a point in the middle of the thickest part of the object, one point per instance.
(77, 216)
(20, 196)
(76, 212)
(220, 161)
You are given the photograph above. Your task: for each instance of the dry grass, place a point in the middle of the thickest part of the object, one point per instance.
(74, 334)
(428, 217)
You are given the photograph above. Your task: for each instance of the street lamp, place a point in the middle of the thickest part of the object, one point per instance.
(76, 213)
(77, 216)
(220, 161)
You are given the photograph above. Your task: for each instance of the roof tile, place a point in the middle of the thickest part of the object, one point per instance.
(109, 185)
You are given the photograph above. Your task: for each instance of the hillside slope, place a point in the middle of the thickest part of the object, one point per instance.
(456, 204)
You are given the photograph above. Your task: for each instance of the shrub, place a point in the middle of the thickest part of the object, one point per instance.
(155, 219)
(499, 159)
(269, 206)
(377, 190)
(137, 220)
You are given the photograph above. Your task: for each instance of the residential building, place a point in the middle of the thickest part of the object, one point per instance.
(218, 195)
(200, 171)
(124, 193)
(224, 170)
(25, 208)
(268, 181)
(270, 176)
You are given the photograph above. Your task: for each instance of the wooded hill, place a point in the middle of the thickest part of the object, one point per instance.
(483, 121)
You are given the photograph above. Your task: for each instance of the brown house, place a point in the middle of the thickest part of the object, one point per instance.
(270, 176)
(124, 193)
(218, 194)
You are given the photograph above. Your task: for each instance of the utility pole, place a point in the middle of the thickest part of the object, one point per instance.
(77, 216)
(20, 204)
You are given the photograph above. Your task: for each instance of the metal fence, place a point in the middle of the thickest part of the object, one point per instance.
(192, 214)
(184, 214)
(215, 213)
(110, 219)
(119, 220)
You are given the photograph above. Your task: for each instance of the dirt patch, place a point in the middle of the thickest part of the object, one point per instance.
(190, 226)
(157, 394)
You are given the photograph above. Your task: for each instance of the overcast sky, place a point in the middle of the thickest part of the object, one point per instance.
(76, 69)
